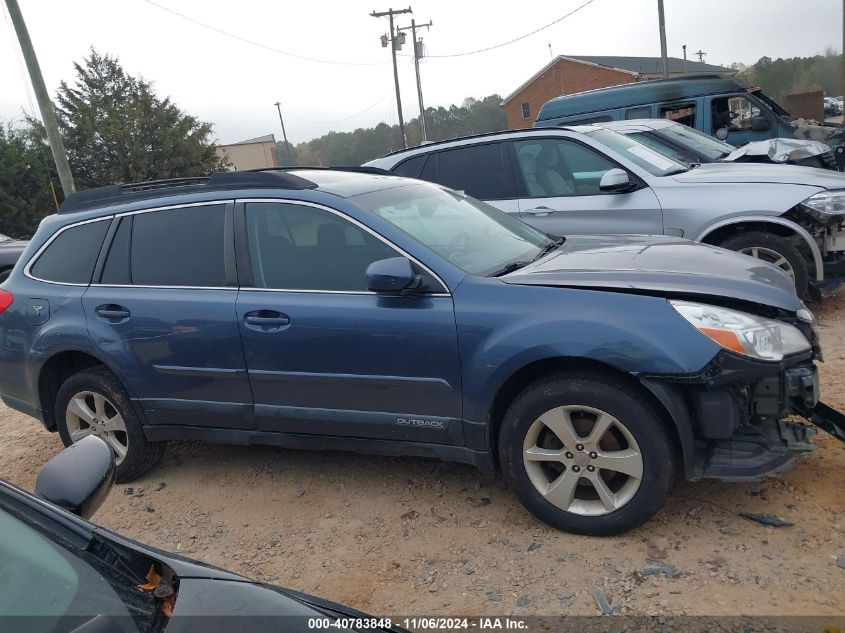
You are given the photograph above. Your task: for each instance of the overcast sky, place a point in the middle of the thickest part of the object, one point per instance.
(233, 84)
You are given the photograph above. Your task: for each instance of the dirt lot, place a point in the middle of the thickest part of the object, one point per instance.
(411, 536)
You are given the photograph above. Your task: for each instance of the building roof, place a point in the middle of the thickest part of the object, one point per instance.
(635, 66)
(650, 65)
(267, 138)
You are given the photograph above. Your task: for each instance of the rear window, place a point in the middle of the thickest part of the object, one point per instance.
(71, 256)
(410, 168)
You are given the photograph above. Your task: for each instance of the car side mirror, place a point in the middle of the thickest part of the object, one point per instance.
(760, 124)
(615, 181)
(79, 478)
(394, 276)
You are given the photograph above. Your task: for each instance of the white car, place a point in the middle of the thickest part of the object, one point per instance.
(590, 180)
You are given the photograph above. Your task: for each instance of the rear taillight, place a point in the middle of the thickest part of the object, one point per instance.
(6, 299)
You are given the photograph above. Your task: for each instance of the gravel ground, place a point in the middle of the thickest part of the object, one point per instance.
(404, 536)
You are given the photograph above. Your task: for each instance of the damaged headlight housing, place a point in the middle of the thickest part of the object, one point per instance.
(743, 333)
(827, 203)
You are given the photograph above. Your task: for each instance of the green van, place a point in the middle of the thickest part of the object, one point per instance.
(725, 107)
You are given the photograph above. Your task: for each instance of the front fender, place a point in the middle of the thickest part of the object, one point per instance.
(503, 328)
(799, 230)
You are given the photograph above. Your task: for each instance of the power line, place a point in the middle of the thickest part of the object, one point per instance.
(266, 47)
(351, 116)
(517, 39)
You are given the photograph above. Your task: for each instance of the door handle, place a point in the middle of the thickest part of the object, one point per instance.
(112, 311)
(539, 211)
(266, 318)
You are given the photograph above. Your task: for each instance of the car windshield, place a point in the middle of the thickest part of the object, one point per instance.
(652, 161)
(58, 585)
(474, 236)
(699, 142)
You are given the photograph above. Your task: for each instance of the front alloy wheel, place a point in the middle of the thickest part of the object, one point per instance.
(589, 452)
(582, 460)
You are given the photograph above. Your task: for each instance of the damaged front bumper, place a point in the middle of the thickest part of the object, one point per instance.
(740, 409)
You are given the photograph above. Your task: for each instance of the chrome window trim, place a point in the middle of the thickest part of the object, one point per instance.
(445, 288)
(32, 260)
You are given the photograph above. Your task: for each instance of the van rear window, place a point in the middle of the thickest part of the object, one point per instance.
(71, 256)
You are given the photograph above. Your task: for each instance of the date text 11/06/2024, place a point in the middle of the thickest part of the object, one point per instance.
(420, 624)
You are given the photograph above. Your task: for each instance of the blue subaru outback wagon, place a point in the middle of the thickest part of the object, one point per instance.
(332, 309)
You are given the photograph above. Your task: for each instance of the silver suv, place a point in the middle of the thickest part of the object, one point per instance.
(586, 180)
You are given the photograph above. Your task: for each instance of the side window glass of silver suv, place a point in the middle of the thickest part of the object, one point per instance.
(553, 168)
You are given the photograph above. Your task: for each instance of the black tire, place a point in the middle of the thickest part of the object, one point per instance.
(630, 408)
(4, 274)
(141, 455)
(781, 245)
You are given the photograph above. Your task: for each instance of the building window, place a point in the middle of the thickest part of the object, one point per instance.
(526, 111)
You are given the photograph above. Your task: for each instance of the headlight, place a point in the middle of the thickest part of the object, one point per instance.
(744, 333)
(827, 202)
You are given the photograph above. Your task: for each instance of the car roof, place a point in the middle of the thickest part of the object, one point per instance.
(342, 182)
(637, 93)
(433, 145)
(637, 124)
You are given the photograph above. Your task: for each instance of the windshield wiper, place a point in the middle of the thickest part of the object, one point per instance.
(548, 248)
(508, 268)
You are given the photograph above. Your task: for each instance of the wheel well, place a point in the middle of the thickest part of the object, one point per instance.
(724, 232)
(516, 383)
(54, 372)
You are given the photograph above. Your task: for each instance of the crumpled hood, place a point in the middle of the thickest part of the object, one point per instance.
(762, 173)
(779, 150)
(659, 264)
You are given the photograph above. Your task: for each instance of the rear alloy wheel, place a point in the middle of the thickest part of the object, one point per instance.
(91, 413)
(774, 249)
(587, 453)
(93, 402)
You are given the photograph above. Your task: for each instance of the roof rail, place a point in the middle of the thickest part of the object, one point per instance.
(218, 181)
(360, 169)
(461, 138)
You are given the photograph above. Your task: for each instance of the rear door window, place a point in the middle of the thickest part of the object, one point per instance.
(71, 256)
(481, 171)
(173, 247)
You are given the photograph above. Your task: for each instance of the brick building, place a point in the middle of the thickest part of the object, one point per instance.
(568, 74)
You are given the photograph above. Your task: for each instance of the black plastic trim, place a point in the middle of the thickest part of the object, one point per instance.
(483, 460)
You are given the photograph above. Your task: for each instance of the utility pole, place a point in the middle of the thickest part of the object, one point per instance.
(395, 44)
(663, 56)
(700, 54)
(284, 134)
(418, 52)
(44, 104)
(685, 55)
